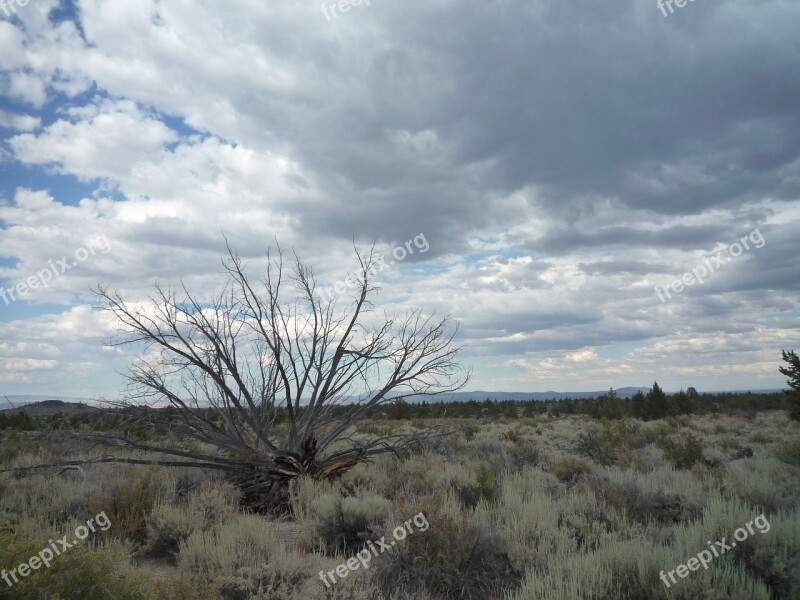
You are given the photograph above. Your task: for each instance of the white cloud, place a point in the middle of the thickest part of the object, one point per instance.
(26, 87)
(107, 143)
(19, 122)
(548, 226)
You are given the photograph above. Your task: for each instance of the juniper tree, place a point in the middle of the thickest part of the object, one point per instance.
(792, 371)
(228, 366)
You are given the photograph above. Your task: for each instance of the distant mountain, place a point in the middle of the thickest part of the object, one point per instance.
(624, 392)
(50, 407)
(12, 402)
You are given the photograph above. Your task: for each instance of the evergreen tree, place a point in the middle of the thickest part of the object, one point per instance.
(792, 371)
(638, 405)
(681, 404)
(607, 406)
(656, 405)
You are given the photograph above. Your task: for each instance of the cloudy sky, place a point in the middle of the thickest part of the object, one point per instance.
(561, 158)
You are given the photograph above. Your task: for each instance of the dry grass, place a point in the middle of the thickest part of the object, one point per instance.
(565, 508)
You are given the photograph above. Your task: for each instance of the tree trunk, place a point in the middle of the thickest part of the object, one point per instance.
(265, 489)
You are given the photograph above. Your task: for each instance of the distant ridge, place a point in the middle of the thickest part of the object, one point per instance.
(50, 407)
(10, 402)
(18, 401)
(624, 392)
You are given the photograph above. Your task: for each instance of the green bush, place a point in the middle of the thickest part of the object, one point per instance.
(345, 524)
(279, 579)
(789, 452)
(241, 542)
(181, 586)
(96, 573)
(612, 444)
(169, 525)
(774, 555)
(684, 453)
(569, 468)
(486, 489)
(585, 521)
(522, 449)
(129, 502)
(453, 559)
(470, 492)
(640, 506)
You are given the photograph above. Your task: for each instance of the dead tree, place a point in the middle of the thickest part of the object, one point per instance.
(229, 366)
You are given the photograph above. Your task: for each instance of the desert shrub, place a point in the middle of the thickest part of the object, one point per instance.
(186, 480)
(569, 468)
(729, 443)
(357, 585)
(167, 527)
(661, 507)
(47, 499)
(181, 585)
(243, 541)
(647, 458)
(630, 570)
(512, 435)
(456, 558)
(96, 573)
(764, 482)
(344, 524)
(469, 495)
(459, 480)
(128, 503)
(774, 555)
(521, 447)
(279, 579)
(528, 518)
(170, 524)
(485, 480)
(488, 447)
(469, 430)
(735, 448)
(789, 452)
(584, 520)
(759, 438)
(12, 446)
(655, 430)
(304, 491)
(215, 501)
(644, 506)
(611, 444)
(375, 477)
(411, 478)
(684, 453)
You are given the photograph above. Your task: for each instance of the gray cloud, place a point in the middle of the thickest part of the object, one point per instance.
(562, 159)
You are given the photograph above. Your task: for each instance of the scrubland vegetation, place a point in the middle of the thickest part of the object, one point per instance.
(520, 507)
